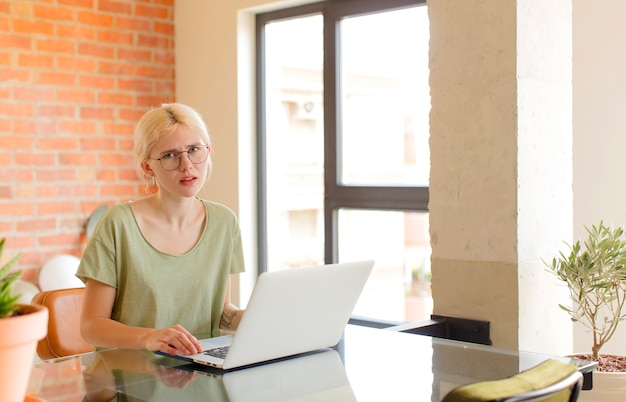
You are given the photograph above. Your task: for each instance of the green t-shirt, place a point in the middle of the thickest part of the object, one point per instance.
(157, 290)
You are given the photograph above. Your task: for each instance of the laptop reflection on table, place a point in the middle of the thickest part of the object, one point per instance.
(316, 376)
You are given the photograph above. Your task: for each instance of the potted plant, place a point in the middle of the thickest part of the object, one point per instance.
(21, 327)
(595, 275)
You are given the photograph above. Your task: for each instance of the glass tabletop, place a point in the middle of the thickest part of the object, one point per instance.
(367, 365)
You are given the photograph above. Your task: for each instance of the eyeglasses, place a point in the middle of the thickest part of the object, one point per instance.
(171, 160)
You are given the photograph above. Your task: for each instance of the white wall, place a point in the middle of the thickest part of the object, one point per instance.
(215, 75)
(599, 82)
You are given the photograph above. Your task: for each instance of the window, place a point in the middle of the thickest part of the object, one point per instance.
(343, 146)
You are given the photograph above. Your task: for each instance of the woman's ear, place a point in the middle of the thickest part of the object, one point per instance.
(147, 169)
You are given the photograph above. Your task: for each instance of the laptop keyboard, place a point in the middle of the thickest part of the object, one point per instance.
(217, 352)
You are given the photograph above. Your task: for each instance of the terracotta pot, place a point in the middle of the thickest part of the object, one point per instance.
(18, 341)
(607, 387)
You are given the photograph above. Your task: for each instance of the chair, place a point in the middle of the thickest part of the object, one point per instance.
(64, 309)
(552, 380)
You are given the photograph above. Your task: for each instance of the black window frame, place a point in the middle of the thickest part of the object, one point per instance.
(336, 195)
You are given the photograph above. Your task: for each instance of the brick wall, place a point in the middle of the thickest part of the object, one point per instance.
(75, 75)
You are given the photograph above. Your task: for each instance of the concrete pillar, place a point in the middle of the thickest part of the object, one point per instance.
(501, 165)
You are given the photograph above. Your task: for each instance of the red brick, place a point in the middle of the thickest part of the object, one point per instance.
(115, 98)
(55, 45)
(77, 3)
(33, 127)
(80, 191)
(116, 159)
(129, 174)
(53, 13)
(155, 72)
(77, 127)
(118, 128)
(117, 189)
(76, 96)
(97, 81)
(92, 49)
(52, 78)
(153, 100)
(5, 23)
(17, 209)
(32, 159)
(33, 93)
(56, 111)
(133, 24)
(113, 67)
(97, 19)
(135, 55)
(18, 109)
(157, 42)
(167, 87)
(151, 11)
(59, 239)
(5, 58)
(5, 125)
(106, 175)
(48, 191)
(58, 143)
(127, 144)
(76, 32)
(97, 144)
(119, 38)
(96, 113)
(76, 64)
(6, 192)
(38, 224)
(138, 85)
(117, 7)
(12, 142)
(15, 76)
(18, 8)
(165, 58)
(35, 27)
(35, 60)
(22, 175)
(9, 41)
(77, 159)
(164, 28)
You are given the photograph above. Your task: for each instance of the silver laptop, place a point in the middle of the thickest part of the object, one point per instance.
(290, 312)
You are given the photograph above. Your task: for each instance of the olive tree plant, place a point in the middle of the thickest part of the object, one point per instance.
(595, 275)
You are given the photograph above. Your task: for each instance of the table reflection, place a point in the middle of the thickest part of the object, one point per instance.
(367, 365)
(131, 375)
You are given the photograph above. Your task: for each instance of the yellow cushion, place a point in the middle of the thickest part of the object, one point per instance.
(541, 376)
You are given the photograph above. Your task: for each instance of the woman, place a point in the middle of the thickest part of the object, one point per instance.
(157, 270)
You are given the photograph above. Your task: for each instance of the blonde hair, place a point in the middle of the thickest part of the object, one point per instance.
(163, 120)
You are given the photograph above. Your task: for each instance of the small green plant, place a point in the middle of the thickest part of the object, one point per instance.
(596, 278)
(8, 301)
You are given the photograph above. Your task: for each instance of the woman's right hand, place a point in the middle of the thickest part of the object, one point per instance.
(174, 340)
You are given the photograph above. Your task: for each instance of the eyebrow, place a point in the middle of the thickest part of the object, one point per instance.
(186, 149)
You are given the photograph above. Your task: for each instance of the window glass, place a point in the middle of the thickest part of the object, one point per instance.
(399, 287)
(294, 142)
(385, 98)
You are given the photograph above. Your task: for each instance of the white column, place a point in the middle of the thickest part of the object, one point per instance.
(501, 173)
